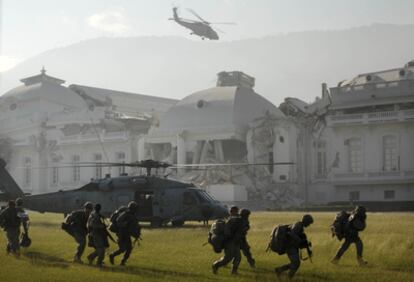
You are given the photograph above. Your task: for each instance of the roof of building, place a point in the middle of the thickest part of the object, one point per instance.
(397, 74)
(45, 87)
(215, 108)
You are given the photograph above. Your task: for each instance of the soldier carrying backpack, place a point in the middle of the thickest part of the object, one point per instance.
(290, 239)
(75, 226)
(126, 223)
(351, 225)
(10, 222)
(233, 234)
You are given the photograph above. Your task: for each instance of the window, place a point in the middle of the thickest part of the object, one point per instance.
(98, 169)
(390, 153)
(321, 158)
(76, 168)
(270, 167)
(27, 173)
(355, 155)
(354, 196)
(120, 157)
(389, 194)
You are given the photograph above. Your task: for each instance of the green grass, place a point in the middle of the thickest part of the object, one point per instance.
(170, 254)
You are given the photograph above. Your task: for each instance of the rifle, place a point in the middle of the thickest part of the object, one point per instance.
(309, 251)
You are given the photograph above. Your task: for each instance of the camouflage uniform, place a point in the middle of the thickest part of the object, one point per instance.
(296, 240)
(234, 233)
(11, 224)
(244, 245)
(352, 236)
(98, 237)
(78, 221)
(130, 227)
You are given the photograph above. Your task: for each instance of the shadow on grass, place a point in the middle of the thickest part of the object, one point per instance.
(46, 260)
(44, 224)
(154, 272)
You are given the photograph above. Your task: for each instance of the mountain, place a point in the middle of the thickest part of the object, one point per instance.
(292, 64)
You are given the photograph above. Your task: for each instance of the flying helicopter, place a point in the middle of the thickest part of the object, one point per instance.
(201, 28)
(160, 200)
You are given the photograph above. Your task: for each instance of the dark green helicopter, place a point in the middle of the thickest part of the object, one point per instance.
(160, 200)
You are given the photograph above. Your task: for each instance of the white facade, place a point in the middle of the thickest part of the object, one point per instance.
(45, 126)
(363, 150)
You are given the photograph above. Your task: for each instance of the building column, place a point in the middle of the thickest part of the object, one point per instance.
(141, 148)
(181, 150)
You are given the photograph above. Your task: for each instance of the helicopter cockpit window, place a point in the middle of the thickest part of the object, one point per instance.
(208, 196)
(201, 198)
(188, 199)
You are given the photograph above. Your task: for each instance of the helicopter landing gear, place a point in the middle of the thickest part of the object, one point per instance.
(177, 223)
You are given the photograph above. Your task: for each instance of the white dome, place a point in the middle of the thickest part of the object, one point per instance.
(217, 107)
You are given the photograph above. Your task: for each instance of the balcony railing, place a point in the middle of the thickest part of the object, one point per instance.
(370, 118)
(373, 176)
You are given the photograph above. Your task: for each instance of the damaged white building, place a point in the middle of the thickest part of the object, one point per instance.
(229, 123)
(45, 126)
(355, 144)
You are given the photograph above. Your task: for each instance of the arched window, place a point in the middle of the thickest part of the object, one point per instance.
(27, 174)
(321, 158)
(76, 168)
(355, 155)
(97, 158)
(120, 158)
(390, 153)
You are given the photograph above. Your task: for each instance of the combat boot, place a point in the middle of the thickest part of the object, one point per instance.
(112, 259)
(278, 271)
(77, 259)
(252, 263)
(335, 261)
(214, 268)
(361, 261)
(234, 271)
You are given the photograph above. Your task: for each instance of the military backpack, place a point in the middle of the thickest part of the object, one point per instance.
(340, 225)
(216, 235)
(115, 223)
(279, 239)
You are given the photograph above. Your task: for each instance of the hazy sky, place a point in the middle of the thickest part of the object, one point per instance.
(29, 27)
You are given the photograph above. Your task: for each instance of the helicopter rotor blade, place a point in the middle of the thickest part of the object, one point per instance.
(229, 164)
(219, 30)
(198, 16)
(226, 23)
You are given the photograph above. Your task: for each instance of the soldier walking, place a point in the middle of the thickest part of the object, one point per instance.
(25, 221)
(355, 224)
(296, 240)
(98, 237)
(127, 226)
(75, 225)
(233, 236)
(10, 222)
(244, 245)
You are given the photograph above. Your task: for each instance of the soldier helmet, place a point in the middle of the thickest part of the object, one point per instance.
(19, 201)
(98, 207)
(307, 219)
(132, 205)
(88, 206)
(244, 213)
(234, 210)
(360, 209)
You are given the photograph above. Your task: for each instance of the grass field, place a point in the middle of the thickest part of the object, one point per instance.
(177, 254)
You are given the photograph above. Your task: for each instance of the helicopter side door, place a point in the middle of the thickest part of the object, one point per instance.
(190, 205)
(144, 200)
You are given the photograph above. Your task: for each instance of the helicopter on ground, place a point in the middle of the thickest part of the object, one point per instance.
(160, 200)
(201, 28)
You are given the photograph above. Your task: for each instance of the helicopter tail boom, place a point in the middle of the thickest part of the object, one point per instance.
(7, 183)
